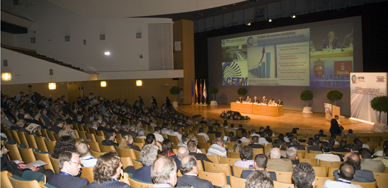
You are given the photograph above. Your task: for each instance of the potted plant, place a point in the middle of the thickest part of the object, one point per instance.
(307, 96)
(334, 96)
(213, 90)
(242, 91)
(380, 104)
(175, 90)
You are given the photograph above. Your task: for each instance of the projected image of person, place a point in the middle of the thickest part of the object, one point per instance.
(348, 40)
(331, 42)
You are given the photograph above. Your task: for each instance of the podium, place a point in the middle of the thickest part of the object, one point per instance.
(331, 111)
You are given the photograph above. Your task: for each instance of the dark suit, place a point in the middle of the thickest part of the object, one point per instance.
(101, 128)
(359, 176)
(245, 174)
(143, 174)
(297, 146)
(314, 148)
(64, 181)
(339, 150)
(334, 128)
(256, 146)
(109, 143)
(55, 129)
(279, 103)
(194, 181)
(111, 184)
(325, 43)
(200, 156)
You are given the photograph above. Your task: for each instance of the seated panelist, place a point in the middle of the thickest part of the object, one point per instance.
(255, 100)
(271, 102)
(248, 99)
(280, 102)
(264, 100)
(240, 99)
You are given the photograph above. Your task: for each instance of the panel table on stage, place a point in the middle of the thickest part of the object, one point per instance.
(257, 109)
(242, 107)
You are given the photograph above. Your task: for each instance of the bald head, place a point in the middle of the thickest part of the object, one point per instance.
(189, 165)
(346, 171)
(182, 152)
(275, 153)
(354, 159)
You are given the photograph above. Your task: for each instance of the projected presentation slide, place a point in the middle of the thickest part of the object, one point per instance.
(316, 57)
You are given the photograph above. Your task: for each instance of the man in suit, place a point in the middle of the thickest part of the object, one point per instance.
(315, 146)
(303, 175)
(367, 163)
(102, 126)
(334, 127)
(163, 172)
(259, 165)
(189, 170)
(255, 143)
(255, 100)
(148, 155)
(360, 175)
(180, 154)
(264, 100)
(83, 149)
(110, 136)
(330, 42)
(70, 164)
(341, 147)
(107, 172)
(326, 155)
(58, 124)
(278, 164)
(347, 172)
(192, 146)
(280, 102)
(248, 99)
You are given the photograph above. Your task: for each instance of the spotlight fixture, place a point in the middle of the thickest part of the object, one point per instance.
(107, 53)
(52, 86)
(139, 83)
(103, 83)
(6, 76)
(293, 16)
(270, 20)
(248, 24)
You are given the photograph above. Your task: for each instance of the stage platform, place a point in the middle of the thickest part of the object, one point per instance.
(291, 119)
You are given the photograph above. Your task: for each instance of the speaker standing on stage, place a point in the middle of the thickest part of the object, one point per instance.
(280, 102)
(335, 129)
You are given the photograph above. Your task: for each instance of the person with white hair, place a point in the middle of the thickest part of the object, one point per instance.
(163, 172)
(148, 155)
(278, 164)
(292, 155)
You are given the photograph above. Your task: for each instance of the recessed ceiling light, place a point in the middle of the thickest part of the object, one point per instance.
(293, 16)
(270, 20)
(107, 53)
(249, 24)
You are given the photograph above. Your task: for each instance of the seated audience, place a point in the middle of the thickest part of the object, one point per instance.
(262, 139)
(140, 134)
(192, 147)
(102, 126)
(58, 124)
(218, 148)
(163, 172)
(384, 158)
(367, 163)
(107, 172)
(350, 133)
(315, 146)
(295, 143)
(189, 170)
(83, 150)
(176, 133)
(255, 143)
(126, 142)
(259, 179)
(64, 143)
(246, 155)
(244, 138)
(185, 139)
(236, 147)
(277, 143)
(200, 132)
(380, 153)
(253, 133)
(67, 131)
(346, 174)
(69, 164)
(180, 154)
(303, 175)
(326, 155)
(292, 155)
(259, 164)
(110, 136)
(341, 147)
(278, 164)
(158, 135)
(360, 175)
(167, 148)
(231, 137)
(147, 156)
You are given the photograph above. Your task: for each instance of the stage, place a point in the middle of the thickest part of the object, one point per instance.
(291, 119)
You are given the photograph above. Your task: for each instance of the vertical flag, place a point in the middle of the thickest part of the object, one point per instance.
(196, 90)
(200, 88)
(204, 89)
(192, 89)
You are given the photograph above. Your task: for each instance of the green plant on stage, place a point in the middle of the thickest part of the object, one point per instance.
(242, 91)
(175, 90)
(307, 96)
(380, 104)
(334, 96)
(213, 90)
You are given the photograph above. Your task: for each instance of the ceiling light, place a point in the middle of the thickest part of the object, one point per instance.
(293, 16)
(6, 76)
(107, 53)
(248, 24)
(270, 20)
